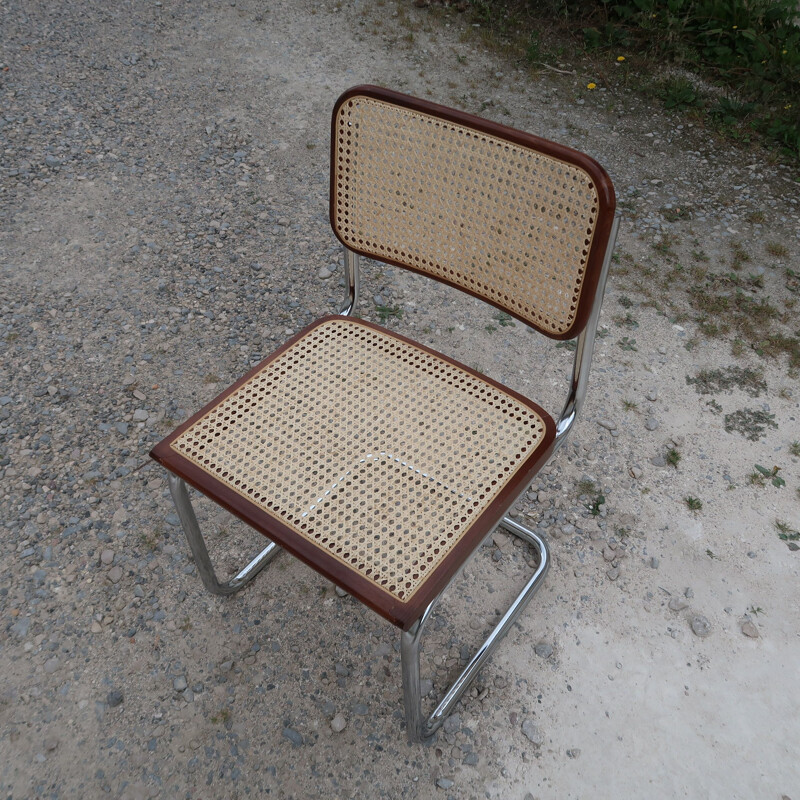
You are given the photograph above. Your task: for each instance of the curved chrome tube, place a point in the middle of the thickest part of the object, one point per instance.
(183, 506)
(353, 279)
(584, 350)
(417, 728)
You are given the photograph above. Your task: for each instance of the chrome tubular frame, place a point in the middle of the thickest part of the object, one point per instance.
(417, 727)
(352, 278)
(183, 505)
(584, 350)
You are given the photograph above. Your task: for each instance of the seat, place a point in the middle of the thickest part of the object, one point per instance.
(377, 461)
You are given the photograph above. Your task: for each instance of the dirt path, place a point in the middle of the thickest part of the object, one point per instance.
(163, 213)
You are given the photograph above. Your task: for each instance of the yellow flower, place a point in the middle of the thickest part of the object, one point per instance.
(735, 27)
(622, 58)
(784, 52)
(591, 85)
(788, 106)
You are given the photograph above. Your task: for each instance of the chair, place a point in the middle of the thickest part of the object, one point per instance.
(379, 462)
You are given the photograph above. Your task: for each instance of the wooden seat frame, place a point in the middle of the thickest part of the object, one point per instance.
(401, 117)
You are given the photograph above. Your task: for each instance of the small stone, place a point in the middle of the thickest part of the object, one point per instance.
(452, 724)
(115, 574)
(341, 670)
(140, 415)
(338, 723)
(533, 733)
(636, 472)
(425, 687)
(341, 592)
(293, 736)
(749, 629)
(652, 395)
(658, 461)
(607, 424)
(651, 423)
(52, 161)
(114, 698)
(573, 752)
(654, 563)
(700, 625)
(543, 650)
(107, 557)
(613, 573)
(609, 554)
(324, 273)
(51, 744)
(51, 665)
(688, 592)
(445, 783)
(180, 683)
(677, 604)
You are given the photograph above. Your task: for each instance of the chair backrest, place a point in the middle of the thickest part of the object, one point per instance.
(516, 220)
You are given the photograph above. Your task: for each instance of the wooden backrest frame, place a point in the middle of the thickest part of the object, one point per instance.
(405, 172)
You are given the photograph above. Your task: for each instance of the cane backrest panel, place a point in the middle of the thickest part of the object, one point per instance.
(515, 220)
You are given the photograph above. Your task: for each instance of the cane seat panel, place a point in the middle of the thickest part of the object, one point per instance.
(370, 456)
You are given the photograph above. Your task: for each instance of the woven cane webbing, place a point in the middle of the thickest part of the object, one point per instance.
(504, 221)
(372, 449)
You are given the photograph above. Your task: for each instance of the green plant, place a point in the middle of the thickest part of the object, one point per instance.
(505, 320)
(673, 457)
(794, 449)
(626, 343)
(679, 94)
(630, 405)
(772, 475)
(711, 381)
(776, 249)
(693, 503)
(750, 423)
(387, 312)
(785, 532)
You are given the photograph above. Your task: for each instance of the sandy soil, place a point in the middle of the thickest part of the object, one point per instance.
(164, 204)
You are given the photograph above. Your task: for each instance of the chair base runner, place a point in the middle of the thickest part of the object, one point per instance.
(183, 505)
(418, 728)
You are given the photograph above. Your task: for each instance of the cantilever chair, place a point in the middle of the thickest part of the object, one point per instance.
(377, 461)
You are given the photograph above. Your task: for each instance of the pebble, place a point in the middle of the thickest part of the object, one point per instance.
(652, 395)
(543, 650)
(658, 461)
(700, 625)
(115, 574)
(532, 732)
(51, 665)
(452, 724)
(107, 557)
(749, 629)
(338, 723)
(114, 698)
(180, 683)
(324, 273)
(651, 423)
(678, 604)
(613, 573)
(636, 472)
(339, 591)
(293, 736)
(445, 783)
(607, 424)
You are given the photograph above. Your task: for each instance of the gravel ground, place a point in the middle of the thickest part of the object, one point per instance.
(164, 226)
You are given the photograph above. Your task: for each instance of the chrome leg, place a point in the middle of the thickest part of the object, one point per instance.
(417, 727)
(353, 280)
(183, 505)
